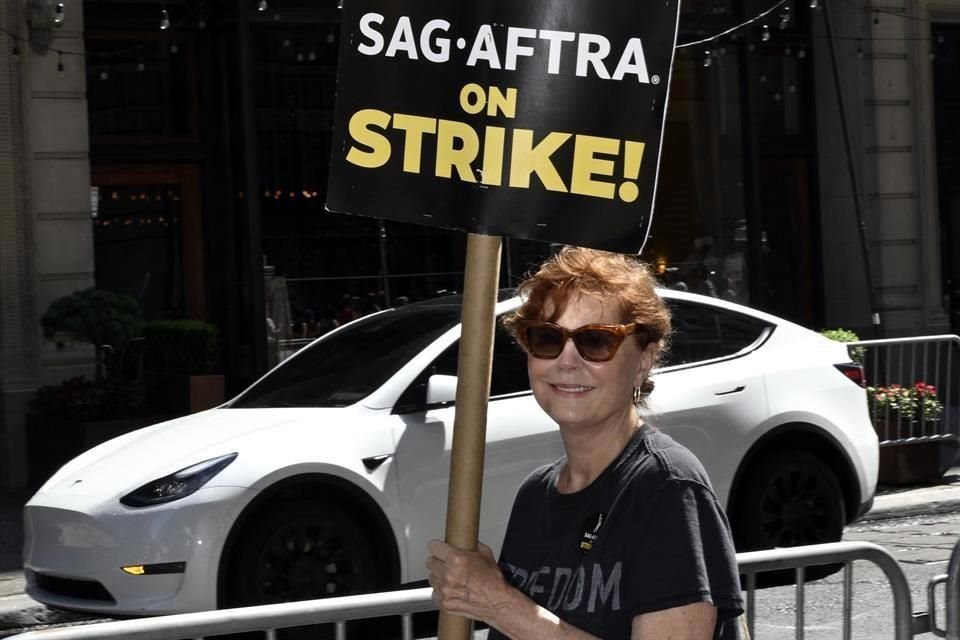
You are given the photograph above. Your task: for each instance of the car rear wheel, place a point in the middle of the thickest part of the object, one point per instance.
(791, 498)
(301, 550)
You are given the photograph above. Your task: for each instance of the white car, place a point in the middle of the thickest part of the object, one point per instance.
(329, 475)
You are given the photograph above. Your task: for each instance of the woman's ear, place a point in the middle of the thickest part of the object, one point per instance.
(648, 358)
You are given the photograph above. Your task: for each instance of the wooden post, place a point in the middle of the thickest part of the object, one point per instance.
(470, 421)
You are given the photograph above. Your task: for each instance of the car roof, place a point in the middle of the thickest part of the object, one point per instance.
(507, 300)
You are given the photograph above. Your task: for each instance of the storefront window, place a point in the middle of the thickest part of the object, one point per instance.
(140, 87)
(699, 234)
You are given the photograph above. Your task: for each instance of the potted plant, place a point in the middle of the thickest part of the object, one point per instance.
(106, 319)
(180, 358)
(918, 403)
(900, 412)
(65, 419)
(845, 335)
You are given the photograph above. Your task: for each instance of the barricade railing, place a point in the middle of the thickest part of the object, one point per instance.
(799, 559)
(268, 619)
(913, 387)
(951, 598)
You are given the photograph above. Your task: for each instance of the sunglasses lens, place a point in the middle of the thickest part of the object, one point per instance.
(544, 341)
(597, 344)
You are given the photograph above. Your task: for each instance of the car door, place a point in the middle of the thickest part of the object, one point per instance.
(708, 393)
(520, 438)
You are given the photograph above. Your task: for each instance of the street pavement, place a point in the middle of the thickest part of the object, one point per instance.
(17, 610)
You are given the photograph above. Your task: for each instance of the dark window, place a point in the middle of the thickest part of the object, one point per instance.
(509, 374)
(349, 365)
(702, 332)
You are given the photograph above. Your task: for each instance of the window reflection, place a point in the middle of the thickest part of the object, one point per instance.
(699, 231)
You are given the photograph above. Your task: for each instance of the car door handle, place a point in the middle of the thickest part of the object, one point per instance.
(736, 389)
(373, 462)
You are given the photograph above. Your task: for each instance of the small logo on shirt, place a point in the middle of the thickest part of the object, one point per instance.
(591, 528)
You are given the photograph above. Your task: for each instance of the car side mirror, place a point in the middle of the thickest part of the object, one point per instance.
(441, 390)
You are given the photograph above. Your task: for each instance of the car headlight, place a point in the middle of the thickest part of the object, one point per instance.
(177, 485)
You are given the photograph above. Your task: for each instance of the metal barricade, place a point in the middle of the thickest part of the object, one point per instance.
(951, 598)
(269, 618)
(800, 558)
(912, 387)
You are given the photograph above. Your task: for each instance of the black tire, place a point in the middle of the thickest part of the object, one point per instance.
(790, 498)
(301, 549)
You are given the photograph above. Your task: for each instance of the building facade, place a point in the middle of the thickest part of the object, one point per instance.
(178, 152)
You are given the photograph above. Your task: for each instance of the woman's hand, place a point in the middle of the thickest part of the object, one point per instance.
(468, 583)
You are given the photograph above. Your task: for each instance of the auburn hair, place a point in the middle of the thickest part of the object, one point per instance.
(612, 278)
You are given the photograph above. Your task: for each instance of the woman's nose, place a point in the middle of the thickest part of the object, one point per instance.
(569, 356)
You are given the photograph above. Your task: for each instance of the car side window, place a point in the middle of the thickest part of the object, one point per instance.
(509, 373)
(702, 332)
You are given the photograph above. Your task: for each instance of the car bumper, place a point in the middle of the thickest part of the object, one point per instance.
(75, 547)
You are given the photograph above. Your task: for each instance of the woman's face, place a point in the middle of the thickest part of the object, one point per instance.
(578, 393)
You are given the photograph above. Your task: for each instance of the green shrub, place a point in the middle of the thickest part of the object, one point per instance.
(845, 335)
(93, 315)
(189, 347)
(97, 316)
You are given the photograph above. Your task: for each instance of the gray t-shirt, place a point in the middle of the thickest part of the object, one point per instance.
(648, 534)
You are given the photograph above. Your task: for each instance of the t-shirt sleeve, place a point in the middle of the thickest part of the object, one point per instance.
(685, 554)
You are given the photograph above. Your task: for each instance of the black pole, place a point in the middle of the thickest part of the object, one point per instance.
(751, 209)
(384, 267)
(250, 184)
(861, 226)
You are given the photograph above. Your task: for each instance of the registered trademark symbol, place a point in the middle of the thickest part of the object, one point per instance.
(655, 79)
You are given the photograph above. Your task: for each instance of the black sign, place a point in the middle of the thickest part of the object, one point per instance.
(538, 119)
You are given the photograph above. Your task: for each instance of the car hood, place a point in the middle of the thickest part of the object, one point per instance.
(132, 459)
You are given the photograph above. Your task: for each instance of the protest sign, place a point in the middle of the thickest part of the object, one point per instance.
(538, 119)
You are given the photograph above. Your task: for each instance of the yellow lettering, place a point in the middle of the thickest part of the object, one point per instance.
(586, 164)
(450, 155)
(492, 173)
(472, 98)
(496, 101)
(527, 159)
(360, 130)
(415, 127)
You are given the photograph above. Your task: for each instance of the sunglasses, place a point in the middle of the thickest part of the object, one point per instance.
(594, 342)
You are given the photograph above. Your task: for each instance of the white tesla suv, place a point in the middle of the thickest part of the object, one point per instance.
(329, 474)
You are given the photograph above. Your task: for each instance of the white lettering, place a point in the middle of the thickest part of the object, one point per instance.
(376, 40)
(434, 43)
(597, 587)
(518, 576)
(442, 52)
(572, 601)
(515, 49)
(402, 39)
(556, 40)
(533, 586)
(632, 61)
(591, 50)
(557, 592)
(484, 48)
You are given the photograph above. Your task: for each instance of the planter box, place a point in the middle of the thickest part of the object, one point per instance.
(206, 392)
(910, 464)
(181, 394)
(913, 463)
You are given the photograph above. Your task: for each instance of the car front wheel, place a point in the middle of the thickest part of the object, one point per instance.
(791, 498)
(300, 550)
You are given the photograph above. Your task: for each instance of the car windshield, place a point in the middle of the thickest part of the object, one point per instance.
(347, 366)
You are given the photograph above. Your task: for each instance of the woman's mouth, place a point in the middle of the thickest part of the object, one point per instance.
(571, 388)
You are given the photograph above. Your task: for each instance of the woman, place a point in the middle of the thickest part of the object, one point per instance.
(623, 537)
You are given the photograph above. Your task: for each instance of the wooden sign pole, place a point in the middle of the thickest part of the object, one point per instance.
(480, 278)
